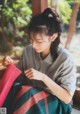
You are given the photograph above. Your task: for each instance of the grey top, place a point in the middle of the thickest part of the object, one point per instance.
(62, 70)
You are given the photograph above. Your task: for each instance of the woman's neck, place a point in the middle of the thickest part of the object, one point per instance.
(44, 54)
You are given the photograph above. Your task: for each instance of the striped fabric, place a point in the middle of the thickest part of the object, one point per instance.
(30, 100)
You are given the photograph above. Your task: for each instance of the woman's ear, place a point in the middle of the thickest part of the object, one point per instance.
(53, 37)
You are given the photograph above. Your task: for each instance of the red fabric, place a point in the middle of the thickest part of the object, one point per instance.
(10, 75)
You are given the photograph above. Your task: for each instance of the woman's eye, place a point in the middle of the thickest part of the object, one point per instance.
(39, 42)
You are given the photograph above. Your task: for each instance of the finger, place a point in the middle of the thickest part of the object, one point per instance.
(29, 76)
(28, 70)
(29, 73)
(6, 63)
(7, 58)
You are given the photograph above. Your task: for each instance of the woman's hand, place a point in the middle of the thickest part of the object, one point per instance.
(34, 74)
(7, 60)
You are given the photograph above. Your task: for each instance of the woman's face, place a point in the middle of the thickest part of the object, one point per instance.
(40, 42)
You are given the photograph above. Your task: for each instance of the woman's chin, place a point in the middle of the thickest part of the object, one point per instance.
(38, 51)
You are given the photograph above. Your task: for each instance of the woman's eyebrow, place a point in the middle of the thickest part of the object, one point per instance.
(35, 39)
(38, 39)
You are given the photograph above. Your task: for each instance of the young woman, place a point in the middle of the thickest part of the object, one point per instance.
(45, 63)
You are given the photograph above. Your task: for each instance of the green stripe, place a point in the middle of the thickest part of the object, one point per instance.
(56, 106)
(25, 97)
(53, 104)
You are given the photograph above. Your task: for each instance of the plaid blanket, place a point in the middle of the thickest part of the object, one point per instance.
(31, 100)
(23, 98)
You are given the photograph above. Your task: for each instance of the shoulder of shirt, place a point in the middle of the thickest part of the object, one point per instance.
(28, 48)
(64, 53)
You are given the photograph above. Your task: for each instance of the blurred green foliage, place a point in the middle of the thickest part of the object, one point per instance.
(17, 10)
(16, 13)
(64, 11)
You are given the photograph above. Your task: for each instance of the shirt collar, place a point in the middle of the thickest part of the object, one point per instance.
(48, 59)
